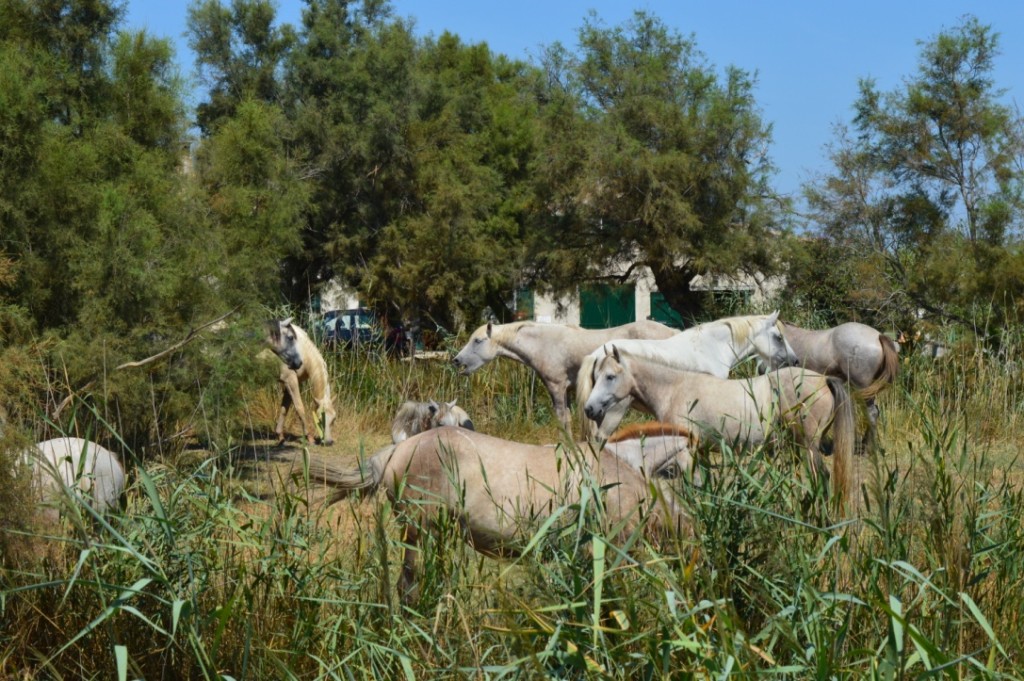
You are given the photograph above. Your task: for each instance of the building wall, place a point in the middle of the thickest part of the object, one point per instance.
(567, 310)
(334, 296)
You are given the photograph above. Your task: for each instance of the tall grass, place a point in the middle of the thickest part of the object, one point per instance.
(199, 577)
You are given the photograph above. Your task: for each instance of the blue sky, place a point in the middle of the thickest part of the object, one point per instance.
(808, 55)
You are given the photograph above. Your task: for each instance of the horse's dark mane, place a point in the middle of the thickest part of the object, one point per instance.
(274, 329)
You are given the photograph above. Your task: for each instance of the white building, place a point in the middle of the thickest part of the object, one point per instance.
(599, 306)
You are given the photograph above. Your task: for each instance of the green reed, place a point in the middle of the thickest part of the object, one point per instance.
(200, 578)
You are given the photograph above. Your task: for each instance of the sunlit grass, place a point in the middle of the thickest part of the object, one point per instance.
(226, 563)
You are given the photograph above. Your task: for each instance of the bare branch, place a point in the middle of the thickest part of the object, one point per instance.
(187, 339)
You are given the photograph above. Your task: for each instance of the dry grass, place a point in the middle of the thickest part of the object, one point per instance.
(276, 584)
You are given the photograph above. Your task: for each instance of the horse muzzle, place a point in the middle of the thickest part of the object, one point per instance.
(463, 368)
(594, 414)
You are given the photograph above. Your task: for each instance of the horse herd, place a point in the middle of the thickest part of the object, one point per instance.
(499, 489)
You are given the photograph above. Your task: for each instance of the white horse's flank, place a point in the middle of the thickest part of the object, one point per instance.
(864, 357)
(742, 411)
(554, 351)
(413, 418)
(84, 468)
(501, 491)
(711, 348)
(302, 363)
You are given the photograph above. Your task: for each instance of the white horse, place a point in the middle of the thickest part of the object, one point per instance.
(501, 491)
(712, 348)
(554, 351)
(90, 472)
(740, 410)
(413, 418)
(864, 357)
(302, 362)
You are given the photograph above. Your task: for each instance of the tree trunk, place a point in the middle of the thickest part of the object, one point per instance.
(674, 284)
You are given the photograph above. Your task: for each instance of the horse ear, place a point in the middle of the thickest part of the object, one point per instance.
(615, 354)
(451, 404)
(287, 322)
(489, 325)
(773, 317)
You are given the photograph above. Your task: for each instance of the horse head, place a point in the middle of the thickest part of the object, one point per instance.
(283, 340)
(610, 398)
(478, 351)
(452, 415)
(770, 343)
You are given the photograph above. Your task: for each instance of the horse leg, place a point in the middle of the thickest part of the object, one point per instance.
(871, 434)
(408, 590)
(282, 412)
(326, 405)
(814, 419)
(557, 390)
(308, 425)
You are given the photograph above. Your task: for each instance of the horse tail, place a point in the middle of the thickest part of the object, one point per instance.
(844, 437)
(886, 373)
(584, 386)
(362, 480)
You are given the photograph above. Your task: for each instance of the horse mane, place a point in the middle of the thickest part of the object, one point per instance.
(739, 327)
(502, 333)
(635, 431)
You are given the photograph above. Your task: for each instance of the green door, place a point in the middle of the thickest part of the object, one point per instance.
(603, 306)
(524, 304)
(661, 312)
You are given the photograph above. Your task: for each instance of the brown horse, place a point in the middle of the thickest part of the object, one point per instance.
(862, 356)
(302, 363)
(501, 491)
(554, 351)
(739, 410)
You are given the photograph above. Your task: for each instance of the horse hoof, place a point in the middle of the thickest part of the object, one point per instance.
(328, 443)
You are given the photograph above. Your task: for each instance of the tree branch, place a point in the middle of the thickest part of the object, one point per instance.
(187, 339)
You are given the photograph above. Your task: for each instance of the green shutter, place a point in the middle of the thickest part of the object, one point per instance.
(603, 306)
(662, 312)
(524, 304)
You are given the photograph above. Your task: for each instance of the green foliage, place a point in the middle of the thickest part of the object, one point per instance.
(239, 54)
(666, 164)
(199, 577)
(256, 201)
(459, 248)
(927, 195)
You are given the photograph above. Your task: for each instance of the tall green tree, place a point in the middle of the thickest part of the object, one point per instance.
(457, 246)
(350, 98)
(417, 153)
(652, 159)
(926, 196)
(103, 235)
(94, 133)
(240, 55)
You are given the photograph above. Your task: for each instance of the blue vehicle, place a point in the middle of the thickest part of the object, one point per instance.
(361, 328)
(344, 328)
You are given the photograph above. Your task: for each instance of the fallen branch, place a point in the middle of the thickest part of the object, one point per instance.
(180, 344)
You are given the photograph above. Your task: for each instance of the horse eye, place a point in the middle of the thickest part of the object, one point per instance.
(478, 340)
